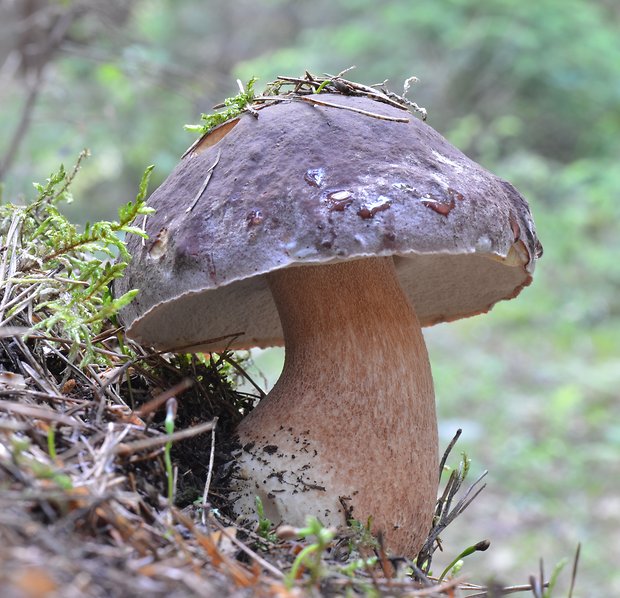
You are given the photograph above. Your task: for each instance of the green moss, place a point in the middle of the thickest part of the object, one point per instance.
(57, 278)
(231, 108)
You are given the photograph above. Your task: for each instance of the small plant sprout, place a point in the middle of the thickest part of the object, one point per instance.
(51, 441)
(362, 534)
(322, 86)
(265, 526)
(171, 412)
(40, 470)
(359, 564)
(455, 566)
(310, 557)
(553, 580)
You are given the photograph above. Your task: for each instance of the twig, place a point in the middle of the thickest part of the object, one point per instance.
(350, 108)
(381, 96)
(235, 570)
(429, 592)
(505, 591)
(149, 443)
(160, 399)
(40, 413)
(9, 425)
(448, 450)
(442, 587)
(465, 502)
(244, 373)
(9, 261)
(573, 578)
(44, 396)
(447, 515)
(34, 369)
(302, 81)
(350, 68)
(261, 561)
(9, 331)
(205, 494)
(205, 341)
(337, 84)
(67, 343)
(313, 100)
(409, 103)
(206, 182)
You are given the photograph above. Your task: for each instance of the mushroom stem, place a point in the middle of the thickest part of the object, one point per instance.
(352, 416)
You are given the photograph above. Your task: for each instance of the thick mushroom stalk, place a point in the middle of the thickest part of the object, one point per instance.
(351, 421)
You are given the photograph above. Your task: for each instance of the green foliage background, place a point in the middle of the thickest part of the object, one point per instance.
(529, 89)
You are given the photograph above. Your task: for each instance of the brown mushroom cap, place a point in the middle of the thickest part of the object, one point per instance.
(303, 184)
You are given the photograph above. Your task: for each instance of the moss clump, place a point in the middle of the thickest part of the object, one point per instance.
(56, 278)
(233, 107)
(286, 88)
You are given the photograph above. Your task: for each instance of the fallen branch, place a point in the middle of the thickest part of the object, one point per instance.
(149, 443)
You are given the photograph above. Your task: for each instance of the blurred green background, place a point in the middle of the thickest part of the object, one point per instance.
(529, 89)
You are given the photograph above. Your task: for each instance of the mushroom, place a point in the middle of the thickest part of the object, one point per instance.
(340, 234)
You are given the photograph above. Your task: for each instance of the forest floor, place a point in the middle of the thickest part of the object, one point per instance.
(98, 497)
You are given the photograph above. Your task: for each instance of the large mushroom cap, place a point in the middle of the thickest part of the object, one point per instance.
(303, 184)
